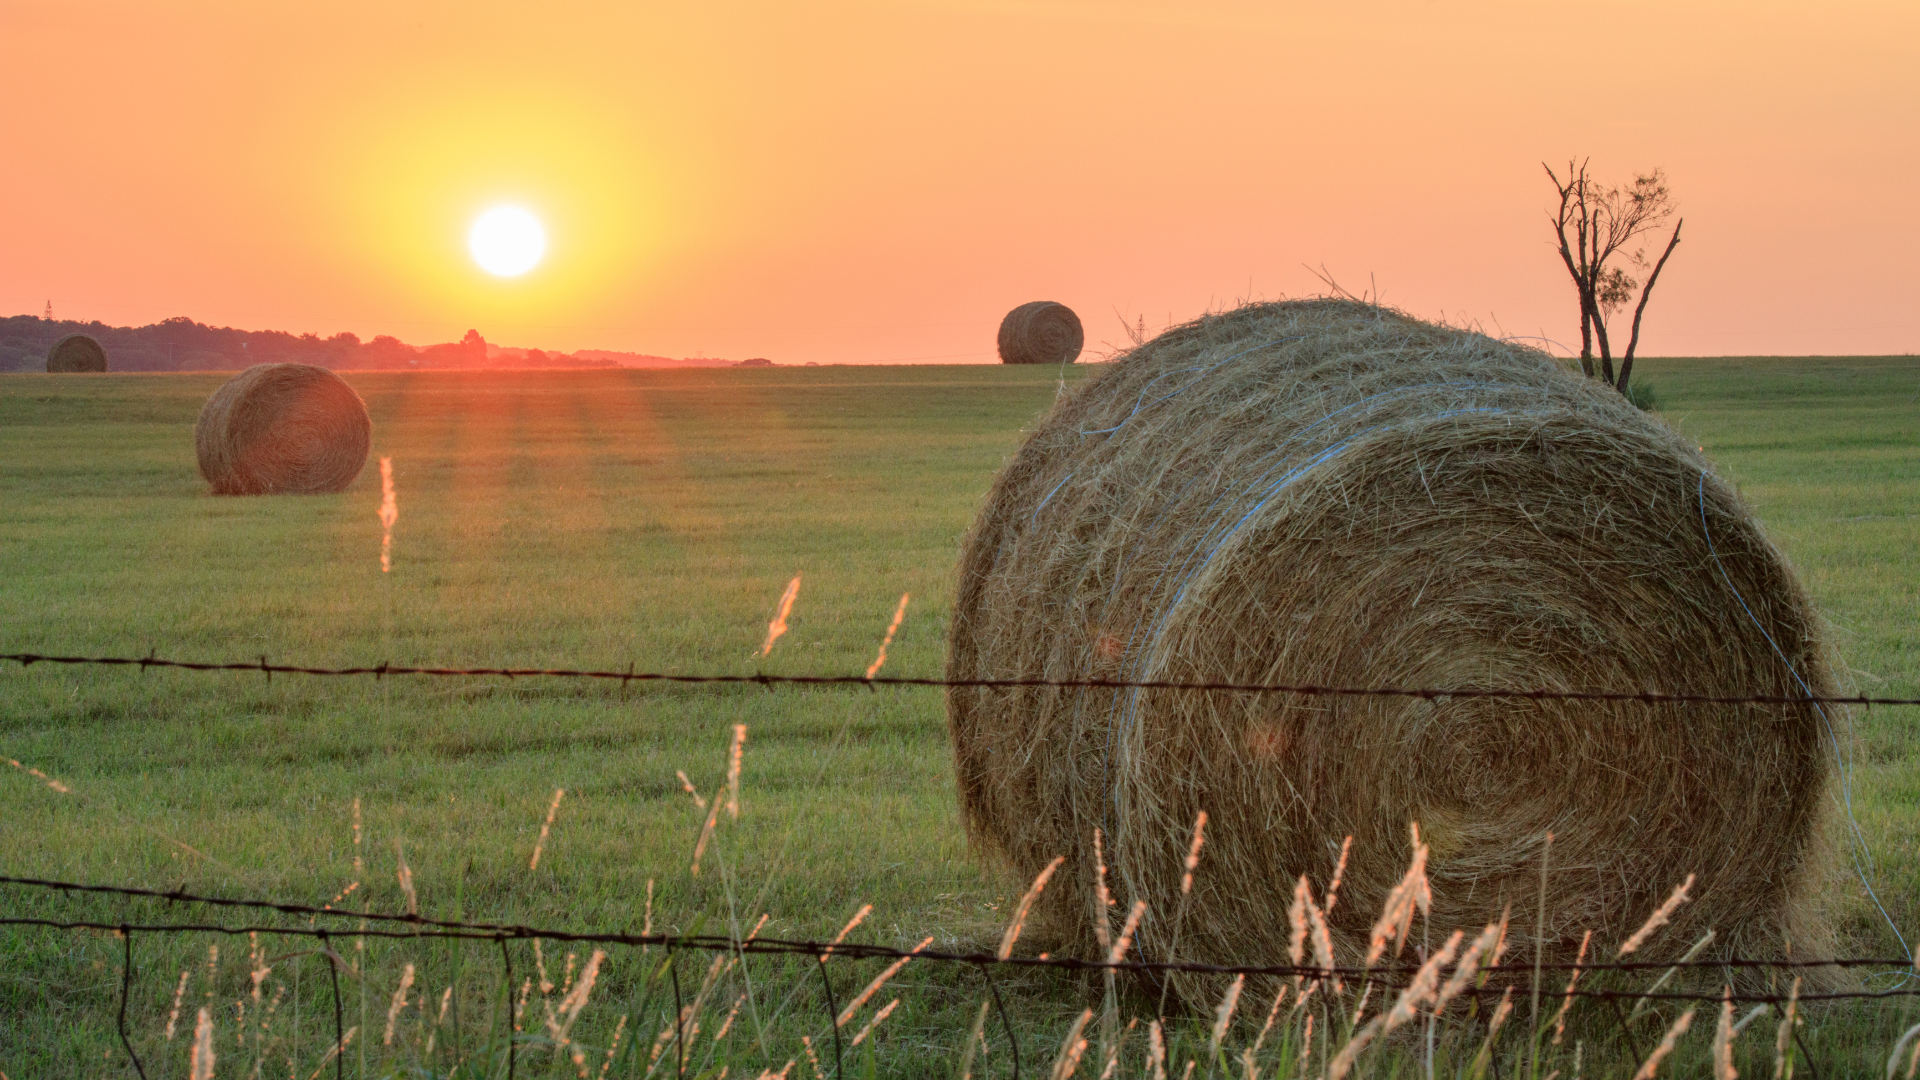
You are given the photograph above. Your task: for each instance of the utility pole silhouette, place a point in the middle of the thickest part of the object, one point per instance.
(48, 315)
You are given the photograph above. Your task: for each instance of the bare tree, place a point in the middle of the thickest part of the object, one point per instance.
(1598, 224)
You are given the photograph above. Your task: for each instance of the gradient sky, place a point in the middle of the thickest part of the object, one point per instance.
(882, 181)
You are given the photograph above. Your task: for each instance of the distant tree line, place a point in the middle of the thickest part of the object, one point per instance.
(181, 344)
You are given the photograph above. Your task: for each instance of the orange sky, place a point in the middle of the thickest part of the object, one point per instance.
(881, 181)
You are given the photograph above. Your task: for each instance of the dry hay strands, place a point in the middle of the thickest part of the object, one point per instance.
(76, 352)
(1042, 332)
(1328, 492)
(282, 428)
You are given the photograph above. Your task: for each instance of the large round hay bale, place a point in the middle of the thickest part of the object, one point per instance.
(1042, 332)
(282, 428)
(1329, 493)
(76, 352)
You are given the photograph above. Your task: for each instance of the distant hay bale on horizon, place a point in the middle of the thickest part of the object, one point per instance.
(1042, 332)
(282, 429)
(1331, 493)
(76, 352)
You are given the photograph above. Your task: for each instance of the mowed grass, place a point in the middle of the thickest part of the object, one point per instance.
(573, 519)
(602, 519)
(566, 519)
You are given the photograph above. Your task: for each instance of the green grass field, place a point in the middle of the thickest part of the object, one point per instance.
(602, 519)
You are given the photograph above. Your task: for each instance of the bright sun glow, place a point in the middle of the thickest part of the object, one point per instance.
(507, 241)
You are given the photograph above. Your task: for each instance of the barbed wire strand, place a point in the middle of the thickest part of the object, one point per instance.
(383, 669)
(983, 962)
(420, 926)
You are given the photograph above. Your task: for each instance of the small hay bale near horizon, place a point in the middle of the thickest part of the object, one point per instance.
(1041, 332)
(74, 353)
(1331, 493)
(282, 429)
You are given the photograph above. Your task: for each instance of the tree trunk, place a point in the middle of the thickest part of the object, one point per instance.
(1599, 325)
(1573, 207)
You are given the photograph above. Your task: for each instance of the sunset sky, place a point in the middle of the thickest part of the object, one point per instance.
(882, 181)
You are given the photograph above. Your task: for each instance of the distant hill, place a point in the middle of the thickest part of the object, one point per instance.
(181, 344)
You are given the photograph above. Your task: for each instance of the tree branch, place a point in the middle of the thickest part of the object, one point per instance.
(1626, 362)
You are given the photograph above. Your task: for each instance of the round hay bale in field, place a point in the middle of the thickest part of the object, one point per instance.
(1328, 493)
(1042, 332)
(76, 352)
(282, 428)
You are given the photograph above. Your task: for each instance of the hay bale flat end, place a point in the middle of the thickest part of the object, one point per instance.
(282, 429)
(1042, 332)
(76, 352)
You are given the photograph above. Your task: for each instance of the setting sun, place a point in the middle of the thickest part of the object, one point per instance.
(507, 241)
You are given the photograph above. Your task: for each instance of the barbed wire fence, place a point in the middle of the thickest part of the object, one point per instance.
(1389, 976)
(1516, 979)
